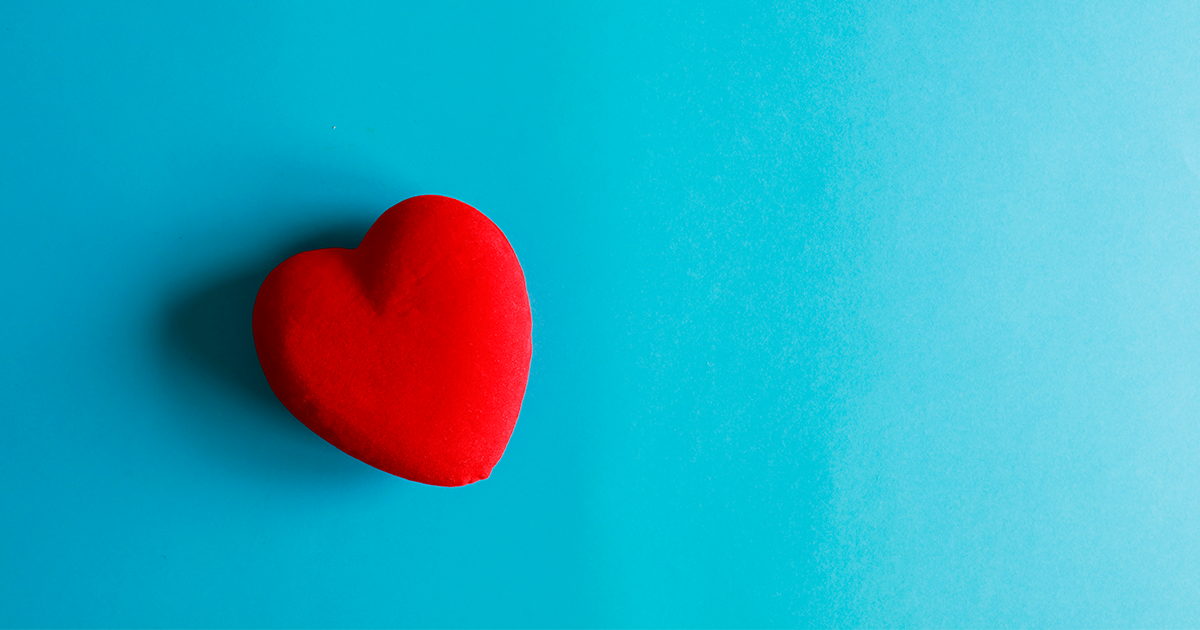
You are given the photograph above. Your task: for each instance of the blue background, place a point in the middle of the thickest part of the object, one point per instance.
(845, 313)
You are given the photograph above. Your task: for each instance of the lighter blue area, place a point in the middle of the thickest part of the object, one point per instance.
(845, 313)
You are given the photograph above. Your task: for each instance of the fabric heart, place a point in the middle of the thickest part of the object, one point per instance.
(410, 352)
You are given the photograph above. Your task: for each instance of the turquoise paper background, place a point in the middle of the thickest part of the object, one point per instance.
(845, 314)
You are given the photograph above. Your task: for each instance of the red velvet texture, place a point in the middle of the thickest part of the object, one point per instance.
(410, 352)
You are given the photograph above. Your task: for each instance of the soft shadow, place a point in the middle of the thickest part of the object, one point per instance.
(211, 325)
(209, 347)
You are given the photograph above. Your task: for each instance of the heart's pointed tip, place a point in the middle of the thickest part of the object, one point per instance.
(441, 480)
(469, 478)
(457, 483)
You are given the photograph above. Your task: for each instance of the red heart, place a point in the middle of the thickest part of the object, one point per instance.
(410, 352)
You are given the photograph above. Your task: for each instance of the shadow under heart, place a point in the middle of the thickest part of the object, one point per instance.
(209, 348)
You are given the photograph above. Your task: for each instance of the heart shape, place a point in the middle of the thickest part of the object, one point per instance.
(410, 352)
